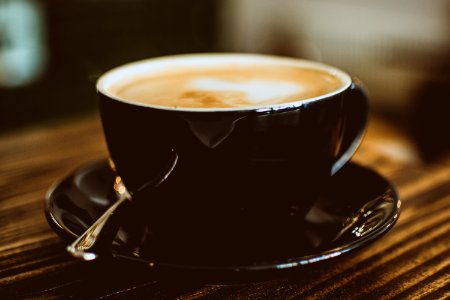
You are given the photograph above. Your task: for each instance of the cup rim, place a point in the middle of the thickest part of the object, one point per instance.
(107, 79)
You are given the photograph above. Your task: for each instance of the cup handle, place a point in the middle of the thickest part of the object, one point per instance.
(354, 125)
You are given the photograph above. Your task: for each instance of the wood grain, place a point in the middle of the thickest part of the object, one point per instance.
(412, 261)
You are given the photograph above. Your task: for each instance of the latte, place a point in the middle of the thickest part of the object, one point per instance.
(227, 86)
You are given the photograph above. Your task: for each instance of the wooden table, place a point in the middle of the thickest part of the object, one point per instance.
(411, 261)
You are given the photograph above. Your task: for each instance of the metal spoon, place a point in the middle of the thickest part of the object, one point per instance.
(99, 236)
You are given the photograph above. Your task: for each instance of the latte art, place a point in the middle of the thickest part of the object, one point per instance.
(227, 86)
(254, 91)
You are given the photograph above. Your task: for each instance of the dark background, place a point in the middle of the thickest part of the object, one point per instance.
(85, 38)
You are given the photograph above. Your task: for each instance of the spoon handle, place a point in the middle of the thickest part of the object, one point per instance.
(98, 236)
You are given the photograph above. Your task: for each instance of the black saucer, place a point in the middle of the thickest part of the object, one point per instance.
(356, 207)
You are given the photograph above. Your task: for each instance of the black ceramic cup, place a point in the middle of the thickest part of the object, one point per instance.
(239, 170)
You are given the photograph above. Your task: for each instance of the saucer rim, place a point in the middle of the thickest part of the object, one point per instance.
(289, 263)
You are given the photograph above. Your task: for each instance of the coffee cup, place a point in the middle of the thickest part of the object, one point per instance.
(256, 138)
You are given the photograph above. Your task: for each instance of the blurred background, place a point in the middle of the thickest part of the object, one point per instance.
(52, 52)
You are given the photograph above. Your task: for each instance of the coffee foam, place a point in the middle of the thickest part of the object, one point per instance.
(255, 91)
(221, 81)
(227, 86)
